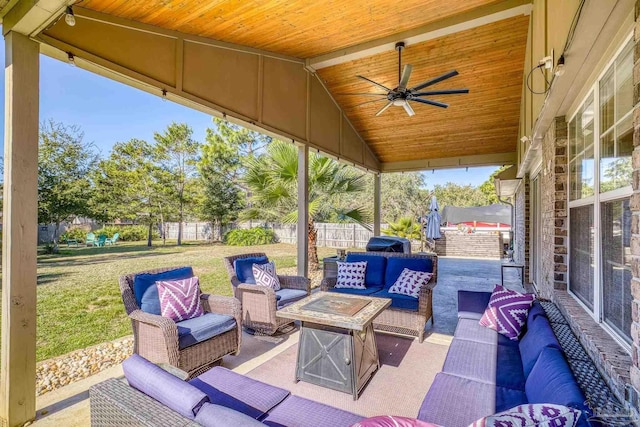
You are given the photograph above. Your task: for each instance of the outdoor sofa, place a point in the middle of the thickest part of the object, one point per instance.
(406, 315)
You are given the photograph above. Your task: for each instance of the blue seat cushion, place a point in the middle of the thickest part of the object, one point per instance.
(367, 291)
(244, 268)
(300, 412)
(238, 392)
(201, 328)
(507, 398)
(509, 372)
(538, 336)
(376, 266)
(146, 291)
(404, 302)
(211, 415)
(395, 265)
(551, 381)
(473, 301)
(288, 296)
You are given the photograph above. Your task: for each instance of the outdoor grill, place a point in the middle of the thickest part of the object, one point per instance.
(389, 244)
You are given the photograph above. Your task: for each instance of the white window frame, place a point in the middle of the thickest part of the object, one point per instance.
(596, 200)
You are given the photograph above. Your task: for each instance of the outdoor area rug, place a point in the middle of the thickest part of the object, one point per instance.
(398, 388)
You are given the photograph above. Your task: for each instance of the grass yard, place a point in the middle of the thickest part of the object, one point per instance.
(79, 301)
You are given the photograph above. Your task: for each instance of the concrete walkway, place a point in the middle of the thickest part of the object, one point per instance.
(69, 406)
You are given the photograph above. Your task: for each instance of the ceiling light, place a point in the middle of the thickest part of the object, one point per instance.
(399, 102)
(69, 17)
(560, 66)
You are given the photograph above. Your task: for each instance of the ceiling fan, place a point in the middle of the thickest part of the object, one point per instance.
(402, 95)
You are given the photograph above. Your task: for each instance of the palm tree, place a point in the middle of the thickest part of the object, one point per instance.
(405, 227)
(272, 182)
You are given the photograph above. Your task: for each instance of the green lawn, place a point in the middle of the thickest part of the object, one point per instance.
(79, 301)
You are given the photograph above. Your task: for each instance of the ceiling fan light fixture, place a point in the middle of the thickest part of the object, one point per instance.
(399, 102)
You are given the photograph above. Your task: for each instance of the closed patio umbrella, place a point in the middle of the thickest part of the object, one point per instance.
(433, 220)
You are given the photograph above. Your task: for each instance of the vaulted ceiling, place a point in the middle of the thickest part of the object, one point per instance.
(349, 38)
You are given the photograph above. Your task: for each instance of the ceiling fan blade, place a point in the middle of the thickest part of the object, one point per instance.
(364, 94)
(372, 82)
(383, 109)
(408, 109)
(427, 101)
(442, 92)
(369, 102)
(436, 80)
(406, 73)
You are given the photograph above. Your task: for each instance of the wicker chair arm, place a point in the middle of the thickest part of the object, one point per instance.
(167, 325)
(328, 283)
(425, 297)
(222, 305)
(295, 282)
(247, 287)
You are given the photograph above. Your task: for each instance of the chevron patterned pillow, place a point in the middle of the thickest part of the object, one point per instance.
(180, 299)
(265, 275)
(410, 282)
(507, 312)
(532, 415)
(351, 275)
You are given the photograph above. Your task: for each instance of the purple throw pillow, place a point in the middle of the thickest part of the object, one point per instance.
(180, 299)
(351, 275)
(507, 312)
(410, 282)
(530, 415)
(392, 421)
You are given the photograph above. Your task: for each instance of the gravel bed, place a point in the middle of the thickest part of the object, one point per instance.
(62, 370)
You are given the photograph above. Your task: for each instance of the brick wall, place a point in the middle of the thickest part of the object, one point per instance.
(553, 215)
(522, 245)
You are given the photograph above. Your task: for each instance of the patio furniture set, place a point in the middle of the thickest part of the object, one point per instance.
(92, 240)
(484, 372)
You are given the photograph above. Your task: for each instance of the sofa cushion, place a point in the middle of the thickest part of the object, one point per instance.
(366, 291)
(198, 329)
(472, 304)
(532, 415)
(538, 336)
(265, 275)
(551, 381)
(289, 296)
(299, 412)
(508, 398)
(351, 275)
(235, 391)
(536, 310)
(403, 302)
(244, 268)
(376, 266)
(211, 415)
(509, 373)
(393, 421)
(507, 312)
(470, 329)
(146, 291)
(457, 401)
(159, 384)
(395, 265)
(410, 282)
(473, 360)
(180, 299)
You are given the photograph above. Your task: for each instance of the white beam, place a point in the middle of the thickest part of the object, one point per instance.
(29, 17)
(20, 226)
(303, 210)
(377, 190)
(498, 159)
(455, 24)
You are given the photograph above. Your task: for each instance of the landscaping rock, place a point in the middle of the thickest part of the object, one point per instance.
(62, 370)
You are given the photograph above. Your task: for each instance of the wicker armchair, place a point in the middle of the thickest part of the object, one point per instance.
(399, 321)
(259, 303)
(156, 337)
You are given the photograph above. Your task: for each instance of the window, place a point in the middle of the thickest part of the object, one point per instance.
(600, 172)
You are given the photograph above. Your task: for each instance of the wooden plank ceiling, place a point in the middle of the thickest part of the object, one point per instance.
(489, 58)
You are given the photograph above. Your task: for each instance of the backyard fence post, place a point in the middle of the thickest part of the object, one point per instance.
(354, 236)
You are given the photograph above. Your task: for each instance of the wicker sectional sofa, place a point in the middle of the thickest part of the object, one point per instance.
(406, 315)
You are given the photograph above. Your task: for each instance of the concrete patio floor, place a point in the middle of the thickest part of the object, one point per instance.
(69, 406)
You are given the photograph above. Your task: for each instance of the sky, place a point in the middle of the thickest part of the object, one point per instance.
(110, 112)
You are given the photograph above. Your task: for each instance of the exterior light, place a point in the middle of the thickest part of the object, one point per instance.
(560, 66)
(71, 58)
(164, 94)
(69, 17)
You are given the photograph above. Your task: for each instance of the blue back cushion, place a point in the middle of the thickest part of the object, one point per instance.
(376, 265)
(538, 336)
(395, 265)
(551, 381)
(146, 291)
(535, 311)
(244, 270)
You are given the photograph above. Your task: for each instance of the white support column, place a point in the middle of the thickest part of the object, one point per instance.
(20, 227)
(303, 210)
(377, 190)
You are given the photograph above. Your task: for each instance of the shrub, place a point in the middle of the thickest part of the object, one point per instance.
(77, 233)
(250, 237)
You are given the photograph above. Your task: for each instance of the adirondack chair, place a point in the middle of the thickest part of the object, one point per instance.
(91, 240)
(112, 240)
(101, 240)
